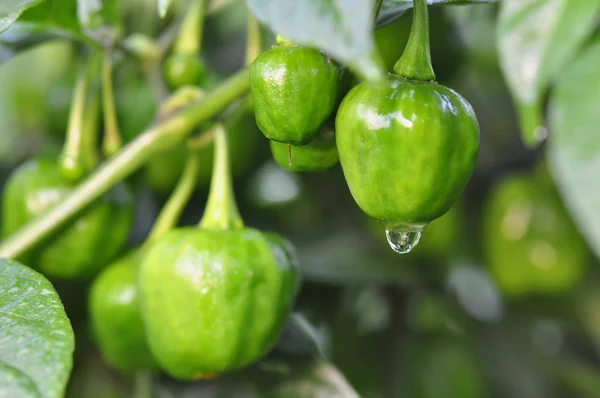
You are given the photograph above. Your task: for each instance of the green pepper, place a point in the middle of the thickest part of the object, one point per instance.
(115, 317)
(295, 91)
(215, 298)
(114, 310)
(88, 242)
(184, 69)
(407, 145)
(184, 66)
(531, 244)
(318, 155)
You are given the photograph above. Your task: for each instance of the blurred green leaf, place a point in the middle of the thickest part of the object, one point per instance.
(10, 10)
(36, 339)
(342, 28)
(536, 40)
(574, 145)
(394, 9)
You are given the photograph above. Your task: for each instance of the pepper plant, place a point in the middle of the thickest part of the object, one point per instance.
(134, 135)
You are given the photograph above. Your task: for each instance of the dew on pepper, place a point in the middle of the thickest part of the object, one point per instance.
(403, 240)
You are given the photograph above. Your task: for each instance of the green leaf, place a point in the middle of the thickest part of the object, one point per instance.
(343, 29)
(10, 10)
(394, 9)
(536, 39)
(574, 143)
(36, 339)
(55, 14)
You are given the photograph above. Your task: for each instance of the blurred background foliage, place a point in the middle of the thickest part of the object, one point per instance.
(500, 299)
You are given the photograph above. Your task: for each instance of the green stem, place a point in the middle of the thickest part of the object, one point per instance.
(253, 39)
(171, 211)
(221, 210)
(415, 62)
(376, 8)
(72, 162)
(112, 137)
(189, 39)
(90, 132)
(143, 385)
(150, 143)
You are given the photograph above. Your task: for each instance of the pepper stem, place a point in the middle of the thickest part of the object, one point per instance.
(253, 39)
(415, 62)
(73, 163)
(112, 137)
(189, 39)
(221, 210)
(171, 211)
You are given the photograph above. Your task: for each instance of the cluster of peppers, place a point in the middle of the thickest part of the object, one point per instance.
(407, 145)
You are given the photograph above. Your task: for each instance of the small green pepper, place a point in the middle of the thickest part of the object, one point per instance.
(114, 297)
(407, 145)
(115, 317)
(295, 91)
(184, 69)
(531, 244)
(318, 155)
(88, 243)
(215, 298)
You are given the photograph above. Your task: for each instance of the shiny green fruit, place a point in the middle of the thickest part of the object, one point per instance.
(407, 149)
(318, 155)
(215, 300)
(531, 244)
(116, 318)
(184, 69)
(295, 91)
(84, 245)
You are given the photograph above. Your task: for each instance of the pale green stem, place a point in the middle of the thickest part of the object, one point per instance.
(415, 62)
(221, 210)
(112, 137)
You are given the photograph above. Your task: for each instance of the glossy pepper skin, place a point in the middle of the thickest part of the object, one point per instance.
(215, 300)
(85, 245)
(318, 155)
(407, 148)
(294, 90)
(532, 247)
(116, 318)
(184, 69)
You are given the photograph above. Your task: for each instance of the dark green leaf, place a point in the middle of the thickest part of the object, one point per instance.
(10, 10)
(536, 39)
(36, 339)
(343, 29)
(574, 144)
(394, 9)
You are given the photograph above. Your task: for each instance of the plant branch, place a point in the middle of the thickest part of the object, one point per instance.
(159, 137)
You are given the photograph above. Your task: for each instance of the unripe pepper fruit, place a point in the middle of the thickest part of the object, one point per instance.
(295, 90)
(215, 298)
(407, 145)
(83, 247)
(318, 155)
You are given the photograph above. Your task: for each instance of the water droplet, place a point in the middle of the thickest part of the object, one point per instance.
(403, 239)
